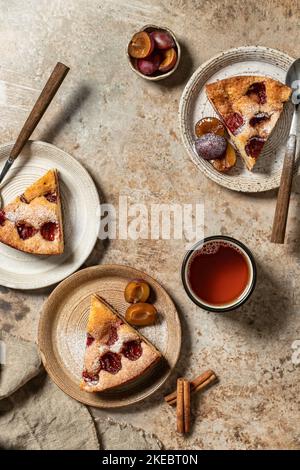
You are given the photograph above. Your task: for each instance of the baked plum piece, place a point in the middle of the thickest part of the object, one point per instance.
(211, 146)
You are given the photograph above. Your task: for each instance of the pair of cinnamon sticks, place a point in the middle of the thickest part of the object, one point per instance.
(182, 397)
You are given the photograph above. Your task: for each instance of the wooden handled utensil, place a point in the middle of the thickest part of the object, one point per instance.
(55, 80)
(284, 193)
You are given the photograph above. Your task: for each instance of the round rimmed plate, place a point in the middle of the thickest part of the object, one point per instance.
(81, 212)
(194, 105)
(62, 332)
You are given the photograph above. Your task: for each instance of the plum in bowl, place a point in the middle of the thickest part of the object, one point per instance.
(153, 52)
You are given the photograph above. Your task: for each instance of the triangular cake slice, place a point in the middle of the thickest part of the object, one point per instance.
(249, 106)
(33, 221)
(115, 352)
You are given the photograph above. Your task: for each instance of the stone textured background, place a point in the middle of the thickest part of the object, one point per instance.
(124, 130)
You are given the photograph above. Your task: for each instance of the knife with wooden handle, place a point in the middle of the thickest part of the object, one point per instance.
(55, 80)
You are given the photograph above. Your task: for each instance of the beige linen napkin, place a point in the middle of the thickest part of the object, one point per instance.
(38, 415)
(122, 436)
(20, 362)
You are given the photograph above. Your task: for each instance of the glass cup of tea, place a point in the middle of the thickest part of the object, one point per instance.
(219, 273)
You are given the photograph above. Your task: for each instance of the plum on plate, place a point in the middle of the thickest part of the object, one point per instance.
(137, 291)
(210, 124)
(228, 161)
(211, 146)
(141, 314)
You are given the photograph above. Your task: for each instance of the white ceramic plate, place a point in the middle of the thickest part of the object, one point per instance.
(81, 211)
(194, 105)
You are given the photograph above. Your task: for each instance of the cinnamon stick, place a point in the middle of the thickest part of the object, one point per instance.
(199, 383)
(180, 407)
(186, 405)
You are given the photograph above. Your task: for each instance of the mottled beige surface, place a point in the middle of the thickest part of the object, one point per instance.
(125, 132)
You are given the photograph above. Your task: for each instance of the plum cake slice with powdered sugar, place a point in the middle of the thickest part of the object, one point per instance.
(33, 221)
(115, 352)
(250, 107)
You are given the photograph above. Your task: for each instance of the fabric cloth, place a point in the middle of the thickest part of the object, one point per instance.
(38, 415)
(116, 436)
(20, 362)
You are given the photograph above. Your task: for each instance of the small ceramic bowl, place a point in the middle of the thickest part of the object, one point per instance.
(160, 76)
(248, 289)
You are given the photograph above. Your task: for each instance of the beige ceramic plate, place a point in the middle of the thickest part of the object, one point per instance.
(62, 332)
(81, 210)
(194, 105)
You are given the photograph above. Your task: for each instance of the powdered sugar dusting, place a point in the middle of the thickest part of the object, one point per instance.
(33, 215)
(103, 348)
(117, 346)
